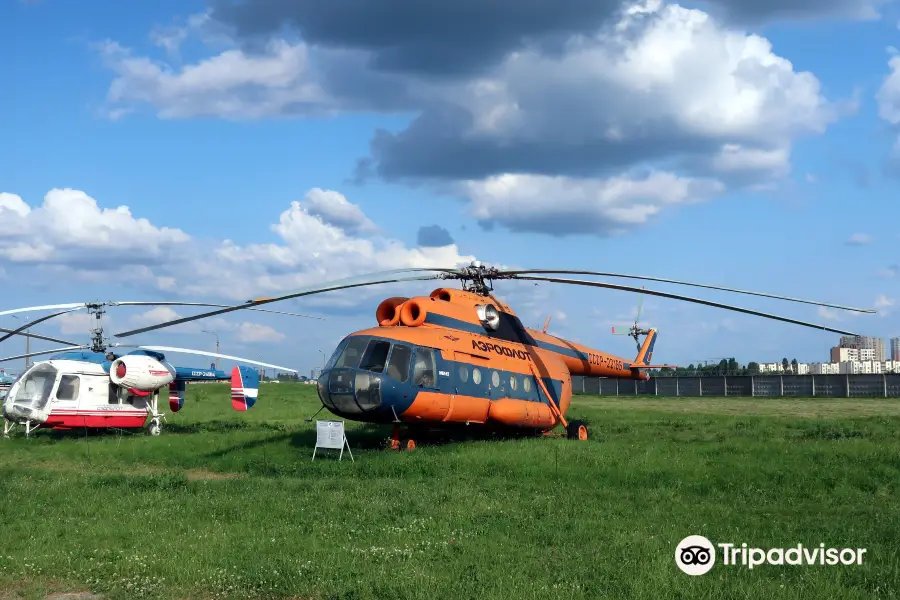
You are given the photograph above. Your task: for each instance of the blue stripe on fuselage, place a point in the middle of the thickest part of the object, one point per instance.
(572, 352)
(452, 323)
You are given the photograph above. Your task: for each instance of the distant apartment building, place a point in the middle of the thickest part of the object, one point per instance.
(861, 367)
(842, 354)
(891, 366)
(849, 365)
(895, 348)
(863, 343)
(832, 368)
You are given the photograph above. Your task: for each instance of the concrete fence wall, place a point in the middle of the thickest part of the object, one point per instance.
(805, 386)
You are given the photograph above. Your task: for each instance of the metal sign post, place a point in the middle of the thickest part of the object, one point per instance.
(330, 434)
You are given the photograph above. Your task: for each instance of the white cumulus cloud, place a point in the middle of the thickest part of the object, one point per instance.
(322, 237)
(610, 206)
(658, 93)
(71, 228)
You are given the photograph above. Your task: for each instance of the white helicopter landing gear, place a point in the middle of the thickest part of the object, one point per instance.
(8, 426)
(156, 417)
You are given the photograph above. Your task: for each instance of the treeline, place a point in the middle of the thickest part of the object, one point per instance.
(728, 366)
(288, 377)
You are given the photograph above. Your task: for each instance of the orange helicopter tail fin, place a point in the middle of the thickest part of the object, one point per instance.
(645, 354)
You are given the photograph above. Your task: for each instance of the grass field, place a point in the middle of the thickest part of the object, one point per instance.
(229, 505)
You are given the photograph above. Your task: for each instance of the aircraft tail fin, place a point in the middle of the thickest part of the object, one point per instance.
(176, 394)
(244, 388)
(645, 354)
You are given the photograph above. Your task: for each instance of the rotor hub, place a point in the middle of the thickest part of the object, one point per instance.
(477, 278)
(98, 342)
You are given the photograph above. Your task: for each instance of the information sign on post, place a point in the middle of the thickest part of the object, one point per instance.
(330, 434)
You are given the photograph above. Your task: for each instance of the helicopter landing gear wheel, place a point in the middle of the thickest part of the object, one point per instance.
(401, 443)
(155, 428)
(577, 430)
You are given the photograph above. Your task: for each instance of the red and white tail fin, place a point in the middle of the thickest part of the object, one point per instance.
(244, 388)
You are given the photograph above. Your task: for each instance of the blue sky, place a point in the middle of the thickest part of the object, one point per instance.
(676, 145)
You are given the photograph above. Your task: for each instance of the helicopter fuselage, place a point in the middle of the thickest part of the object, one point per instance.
(85, 389)
(434, 360)
(65, 394)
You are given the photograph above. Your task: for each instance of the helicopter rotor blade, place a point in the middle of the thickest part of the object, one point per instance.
(37, 337)
(637, 317)
(675, 281)
(212, 354)
(36, 321)
(54, 351)
(173, 303)
(73, 305)
(317, 289)
(625, 288)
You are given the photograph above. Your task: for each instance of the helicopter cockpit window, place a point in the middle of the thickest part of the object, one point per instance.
(398, 367)
(375, 356)
(352, 353)
(34, 389)
(337, 353)
(424, 371)
(68, 387)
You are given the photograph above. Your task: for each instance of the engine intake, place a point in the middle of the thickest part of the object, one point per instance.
(489, 316)
(143, 373)
(388, 312)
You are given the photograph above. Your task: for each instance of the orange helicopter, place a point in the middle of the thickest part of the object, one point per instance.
(461, 356)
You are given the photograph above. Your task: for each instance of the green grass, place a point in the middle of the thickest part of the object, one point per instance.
(229, 505)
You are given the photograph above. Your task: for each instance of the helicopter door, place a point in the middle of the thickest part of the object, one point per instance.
(68, 390)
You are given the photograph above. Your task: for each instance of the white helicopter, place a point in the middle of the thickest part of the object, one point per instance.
(88, 386)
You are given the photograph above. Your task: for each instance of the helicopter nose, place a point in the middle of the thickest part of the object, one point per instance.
(350, 391)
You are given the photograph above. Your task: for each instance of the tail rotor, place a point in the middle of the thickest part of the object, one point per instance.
(635, 330)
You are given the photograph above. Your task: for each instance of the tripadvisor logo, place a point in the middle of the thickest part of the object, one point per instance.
(696, 555)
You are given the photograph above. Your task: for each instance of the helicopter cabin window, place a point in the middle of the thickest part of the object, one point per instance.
(495, 379)
(512, 382)
(476, 375)
(68, 387)
(463, 373)
(351, 354)
(376, 356)
(526, 384)
(398, 367)
(423, 374)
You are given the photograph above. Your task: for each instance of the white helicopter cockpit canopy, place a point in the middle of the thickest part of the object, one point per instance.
(29, 396)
